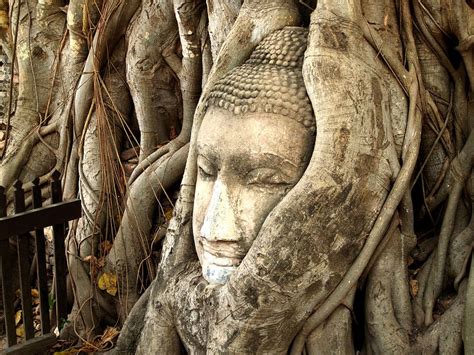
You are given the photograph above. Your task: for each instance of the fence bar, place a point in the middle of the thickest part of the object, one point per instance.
(38, 345)
(25, 222)
(7, 278)
(60, 266)
(24, 266)
(41, 264)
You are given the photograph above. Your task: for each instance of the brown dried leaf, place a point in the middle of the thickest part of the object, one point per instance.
(101, 262)
(168, 213)
(105, 247)
(414, 287)
(34, 293)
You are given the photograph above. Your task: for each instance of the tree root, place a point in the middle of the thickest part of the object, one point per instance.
(334, 335)
(131, 244)
(162, 154)
(444, 335)
(468, 327)
(388, 314)
(399, 188)
(130, 333)
(461, 167)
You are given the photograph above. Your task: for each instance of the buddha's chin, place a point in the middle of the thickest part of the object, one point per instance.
(216, 274)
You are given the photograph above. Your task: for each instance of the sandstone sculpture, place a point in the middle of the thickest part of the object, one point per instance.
(253, 147)
(364, 245)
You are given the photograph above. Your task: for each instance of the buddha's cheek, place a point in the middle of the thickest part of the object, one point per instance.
(254, 205)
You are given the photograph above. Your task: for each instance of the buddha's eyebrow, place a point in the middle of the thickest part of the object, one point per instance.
(268, 159)
(278, 159)
(206, 151)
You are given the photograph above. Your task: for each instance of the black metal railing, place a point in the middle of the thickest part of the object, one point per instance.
(19, 225)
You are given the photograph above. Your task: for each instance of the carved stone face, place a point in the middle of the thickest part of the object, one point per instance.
(246, 164)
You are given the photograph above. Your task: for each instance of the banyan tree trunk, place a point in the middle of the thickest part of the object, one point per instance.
(382, 219)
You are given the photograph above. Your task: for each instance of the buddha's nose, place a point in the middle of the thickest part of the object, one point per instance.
(220, 222)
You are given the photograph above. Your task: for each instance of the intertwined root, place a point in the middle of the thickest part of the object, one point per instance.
(76, 104)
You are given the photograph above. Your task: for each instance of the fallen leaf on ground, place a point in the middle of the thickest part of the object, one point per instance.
(20, 331)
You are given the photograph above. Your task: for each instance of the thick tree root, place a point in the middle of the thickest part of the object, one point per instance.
(444, 335)
(388, 313)
(132, 242)
(461, 168)
(334, 335)
(468, 327)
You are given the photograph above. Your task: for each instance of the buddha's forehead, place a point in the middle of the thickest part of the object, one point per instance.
(223, 134)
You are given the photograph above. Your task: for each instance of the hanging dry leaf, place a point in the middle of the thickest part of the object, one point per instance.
(101, 262)
(34, 293)
(414, 287)
(168, 213)
(105, 247)
(108, 282)
(18, 317)
(20, 331)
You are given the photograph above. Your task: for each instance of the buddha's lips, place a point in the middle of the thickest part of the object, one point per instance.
(222, 253)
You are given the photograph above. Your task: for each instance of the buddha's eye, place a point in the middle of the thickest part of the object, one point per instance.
(206, 169)
(267, 176)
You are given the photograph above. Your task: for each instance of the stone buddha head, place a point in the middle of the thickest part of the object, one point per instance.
(253, 146)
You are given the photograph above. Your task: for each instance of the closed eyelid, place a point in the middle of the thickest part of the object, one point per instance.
(205, 166)
(268, 175)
